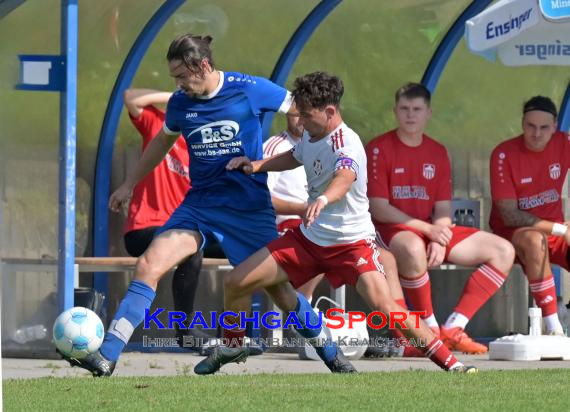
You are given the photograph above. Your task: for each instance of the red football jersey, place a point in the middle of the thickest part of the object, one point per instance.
(411, 178)
(161, 191)
(534, 179)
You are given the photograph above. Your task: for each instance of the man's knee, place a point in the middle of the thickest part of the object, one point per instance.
(530, 244)
(147, 269)
(409, 247)
(503, 250)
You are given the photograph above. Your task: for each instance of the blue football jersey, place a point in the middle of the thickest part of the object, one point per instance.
(221, 126)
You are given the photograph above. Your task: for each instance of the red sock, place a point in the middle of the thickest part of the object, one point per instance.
(440, 355)
(544, 294)
(418, 291)
(482, 284)
(235, 337)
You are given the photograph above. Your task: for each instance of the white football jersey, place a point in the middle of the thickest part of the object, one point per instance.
(289, 185)
(347, 220)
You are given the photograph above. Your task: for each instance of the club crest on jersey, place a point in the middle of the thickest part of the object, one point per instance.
(317, 167)
(554, 170)
(221, 131)
(429, 171)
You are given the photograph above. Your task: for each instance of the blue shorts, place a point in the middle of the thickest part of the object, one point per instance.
(240, 233)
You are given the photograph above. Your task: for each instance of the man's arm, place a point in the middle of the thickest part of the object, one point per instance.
(336, 190)
(442, 213)
(278, 163)
(286, 207)
(151, 157)
(514, 217)
(136, 99)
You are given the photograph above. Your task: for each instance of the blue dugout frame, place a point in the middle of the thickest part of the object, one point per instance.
(67, 156)
(279, 75)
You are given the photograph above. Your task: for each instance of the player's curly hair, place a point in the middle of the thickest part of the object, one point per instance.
(318, 90)
(191, 50)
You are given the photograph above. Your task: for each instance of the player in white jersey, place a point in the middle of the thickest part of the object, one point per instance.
(336, 238)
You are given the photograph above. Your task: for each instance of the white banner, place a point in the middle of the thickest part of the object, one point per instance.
(545, 44)
(500, 23)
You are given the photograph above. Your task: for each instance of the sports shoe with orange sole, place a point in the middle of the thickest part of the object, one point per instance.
(457, 339)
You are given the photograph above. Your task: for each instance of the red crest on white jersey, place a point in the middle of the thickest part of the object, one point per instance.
(429, 171)
(554, 170)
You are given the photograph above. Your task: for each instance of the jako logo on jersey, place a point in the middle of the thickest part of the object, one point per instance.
(554, 170)
(221, 131)
(429, 171)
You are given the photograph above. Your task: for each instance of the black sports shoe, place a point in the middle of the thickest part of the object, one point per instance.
(340, 364)
(94, 363)
(219, 357)
(464, 369)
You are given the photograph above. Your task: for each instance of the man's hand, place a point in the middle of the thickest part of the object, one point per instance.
(242, 163)
(440, 234)
(435, 254)
(313, 211)
(120, 196)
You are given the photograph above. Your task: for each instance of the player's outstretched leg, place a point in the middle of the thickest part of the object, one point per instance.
(261, 271)
(375, 291)
(94, 363)
(219, 357)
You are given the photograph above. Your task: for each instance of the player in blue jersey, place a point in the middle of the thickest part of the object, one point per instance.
(218, 113)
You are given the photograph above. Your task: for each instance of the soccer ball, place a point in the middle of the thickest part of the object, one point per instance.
(78, 332)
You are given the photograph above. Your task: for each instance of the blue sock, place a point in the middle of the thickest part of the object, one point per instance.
(129, 315)
(325, 352)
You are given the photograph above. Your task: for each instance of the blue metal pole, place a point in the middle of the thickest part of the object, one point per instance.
(564, 116)
(109, 130)
(293, 49)
(445, 49)
(67, 165)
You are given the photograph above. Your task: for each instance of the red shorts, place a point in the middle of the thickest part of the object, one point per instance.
(386, 232)
(557, 248)
(287, 225)
(341, 264)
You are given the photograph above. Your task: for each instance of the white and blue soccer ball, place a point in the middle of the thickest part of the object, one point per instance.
(78, 332)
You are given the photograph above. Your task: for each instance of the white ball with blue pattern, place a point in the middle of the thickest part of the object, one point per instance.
(78, 332)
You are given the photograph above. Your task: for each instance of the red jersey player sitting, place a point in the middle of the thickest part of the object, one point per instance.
(410, 201)
(527, 175)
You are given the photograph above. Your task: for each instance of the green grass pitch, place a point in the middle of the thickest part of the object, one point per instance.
(540, 390)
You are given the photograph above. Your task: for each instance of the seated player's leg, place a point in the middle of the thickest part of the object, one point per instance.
(164, 252)
(493, 256)
(533, 250)
(374, 289)
(410, 252)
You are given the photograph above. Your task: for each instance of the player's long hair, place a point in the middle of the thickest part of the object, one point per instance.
(191, 50)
